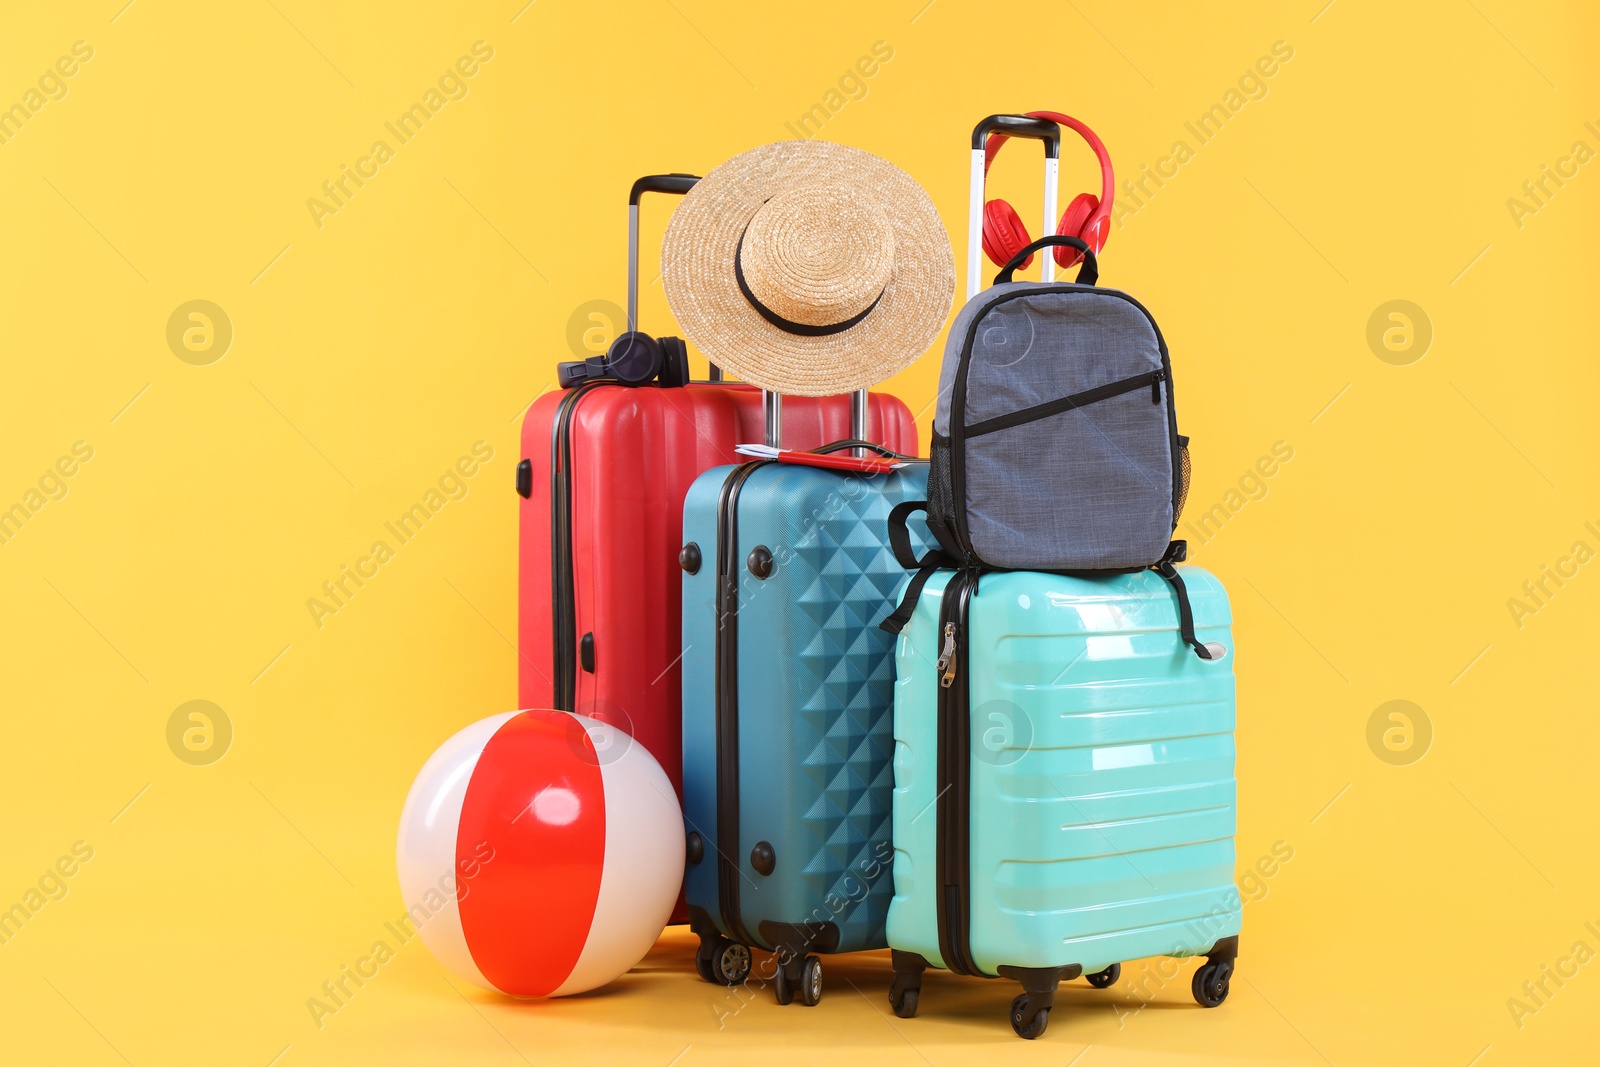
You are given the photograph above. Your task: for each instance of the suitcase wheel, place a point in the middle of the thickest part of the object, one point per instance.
(804, 978)
(730, 963)
(904, 1002)
(1027, 1018)
(1210, 984)
(811, 982)
(722, 962)
(1106, 978)
(907, 984)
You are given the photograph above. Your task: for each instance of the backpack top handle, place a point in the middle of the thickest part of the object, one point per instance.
(1088, 273)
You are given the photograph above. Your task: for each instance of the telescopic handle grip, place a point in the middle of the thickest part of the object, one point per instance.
(662, 183)
(1019, 126)
(997, 128)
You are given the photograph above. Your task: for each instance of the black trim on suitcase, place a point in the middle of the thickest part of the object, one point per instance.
(953, 803)
(727, 703)
(794, 940)
(563, 609)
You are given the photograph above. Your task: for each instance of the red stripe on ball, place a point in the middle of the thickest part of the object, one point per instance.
(536, 798)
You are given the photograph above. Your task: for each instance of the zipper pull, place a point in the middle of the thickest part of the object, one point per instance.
(947, 657)
(1155, 390)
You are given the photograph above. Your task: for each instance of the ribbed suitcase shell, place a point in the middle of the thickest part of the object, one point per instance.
(1108, 835)
(815, 689)
(633, 453)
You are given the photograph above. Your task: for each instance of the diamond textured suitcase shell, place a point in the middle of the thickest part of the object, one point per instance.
(815, 689)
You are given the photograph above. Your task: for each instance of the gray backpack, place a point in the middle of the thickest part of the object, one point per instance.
(1055, 445)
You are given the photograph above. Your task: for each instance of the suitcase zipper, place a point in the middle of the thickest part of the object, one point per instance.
(953, 803)
(946, 665)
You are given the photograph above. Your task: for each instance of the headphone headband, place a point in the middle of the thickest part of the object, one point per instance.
(1108, 181)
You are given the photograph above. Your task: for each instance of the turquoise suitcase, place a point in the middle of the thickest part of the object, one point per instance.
(1064, 797)
(788, 695)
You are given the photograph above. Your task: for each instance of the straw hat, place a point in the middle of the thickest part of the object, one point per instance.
(809, 268)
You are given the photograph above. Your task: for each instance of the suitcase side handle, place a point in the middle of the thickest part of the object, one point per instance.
(1009, 126)
(862, 445)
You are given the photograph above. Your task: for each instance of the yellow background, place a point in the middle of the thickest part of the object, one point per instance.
(369, 353)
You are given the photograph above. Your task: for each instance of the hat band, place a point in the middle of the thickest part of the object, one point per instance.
(799, 329)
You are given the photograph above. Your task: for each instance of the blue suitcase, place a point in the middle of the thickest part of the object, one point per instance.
(1064, 793)
(788, 690)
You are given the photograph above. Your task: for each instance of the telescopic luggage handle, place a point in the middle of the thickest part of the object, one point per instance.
(634, 358)
(676, 184)
(772, 409)
(1011, 126)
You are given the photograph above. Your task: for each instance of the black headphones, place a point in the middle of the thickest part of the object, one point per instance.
(636, 358)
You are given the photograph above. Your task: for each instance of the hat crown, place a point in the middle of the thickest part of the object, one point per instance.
(818, 254)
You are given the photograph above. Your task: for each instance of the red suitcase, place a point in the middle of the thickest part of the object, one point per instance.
(604, 472)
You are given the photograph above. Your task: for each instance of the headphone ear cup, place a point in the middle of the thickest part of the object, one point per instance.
(634, 358)
(674, 363)
(1004, 235)
(1078, 211)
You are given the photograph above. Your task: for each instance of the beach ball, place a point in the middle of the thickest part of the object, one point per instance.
(540, 853)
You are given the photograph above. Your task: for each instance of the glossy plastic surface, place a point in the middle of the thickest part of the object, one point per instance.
(1102, 797)
(540, 853)
(536, 809)
(425, 854)
(815, 693)
(643, 866)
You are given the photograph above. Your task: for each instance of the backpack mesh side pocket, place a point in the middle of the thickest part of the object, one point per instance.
(941, 493)
(1184, 467)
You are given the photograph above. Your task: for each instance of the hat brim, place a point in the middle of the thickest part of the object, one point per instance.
(697, 271)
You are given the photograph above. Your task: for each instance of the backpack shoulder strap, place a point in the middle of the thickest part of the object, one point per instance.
(1166, 566)
(900, 541)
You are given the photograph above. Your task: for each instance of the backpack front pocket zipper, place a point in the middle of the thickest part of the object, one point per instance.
(1067, 403)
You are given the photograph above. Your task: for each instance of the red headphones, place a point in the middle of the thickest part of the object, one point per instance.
(1087, 216)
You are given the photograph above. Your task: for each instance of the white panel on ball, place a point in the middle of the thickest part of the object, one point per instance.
(426, 850)
(643, 862)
